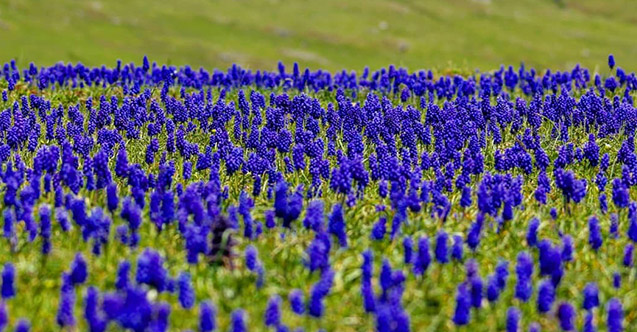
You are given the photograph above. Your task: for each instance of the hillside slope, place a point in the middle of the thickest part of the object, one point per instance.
(330, 34)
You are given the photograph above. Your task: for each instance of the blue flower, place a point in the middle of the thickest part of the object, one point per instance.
(589, 325)
(531, 233)
(462, 313)
(457, 248)
(423, 258)
(318, 252)
(4, 316)
(8, 281)
(162, 313)
(367, 292)
(23, 325)
(336, 224)
(251, 258)
(572, 188)
(465, 199)
(566, 315)
(471, 268)
(476, 292)
(45, 228)
(513, 319)
(186, 291)
(493, 291)
(314, 216)
(318, 292)
(65, 316)
(621, 195)
(567, 248)
(615, 315)
(121, 281)
(297, 301)
(545, 296)
(408, 248)
(94, 318)
(502, 273)
(78, 271)
(524, 270)
(617, 280)
(8, 222)
(207, 314)
(238, 321)
(632, 228)
(591, 299)
(379, 229)
(272, 315)
(112, 200)
(628, 255)
(534, 327)
(151, 271)
(442, 251)
(550, 257)
(594, 233)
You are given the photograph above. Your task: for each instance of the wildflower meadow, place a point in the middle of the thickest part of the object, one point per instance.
(150, 197)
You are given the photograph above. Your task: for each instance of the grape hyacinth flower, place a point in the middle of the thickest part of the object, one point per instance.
(566, 315)
(251, 258)
(4, 315)
(476, 292)
(272, 315)
(207, 314)
(462, 312)
(423, 257)
(545, 296)
(442, 251)
(318, 292)
(589, 324)
(534, 327)
(78, 271)
(615, 315)
(336, 225)
(617, 280)
(297, 301)
(45, 228)
(628, 255)
(186, 291)
(238, 321)
(493, 290)
(121, 281)
(513, 319)
(567, 248)
(524, 270)
(457, 248)
(23, 325)
(65, 316)
(621, 195)
(531, 233)
(591, 299)
(379, 229)
(8, 281)
(594, 233)
(408, 249)
(150, 270)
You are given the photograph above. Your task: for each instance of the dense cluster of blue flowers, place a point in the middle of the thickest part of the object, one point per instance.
(450, 166)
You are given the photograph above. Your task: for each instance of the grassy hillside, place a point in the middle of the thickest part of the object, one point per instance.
(329, 34)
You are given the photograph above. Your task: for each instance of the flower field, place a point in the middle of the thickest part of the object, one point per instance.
(147, 197)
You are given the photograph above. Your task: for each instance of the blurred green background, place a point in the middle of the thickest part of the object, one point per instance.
(330, 34)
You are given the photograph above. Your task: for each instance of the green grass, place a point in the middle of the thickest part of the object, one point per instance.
(331, 34)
